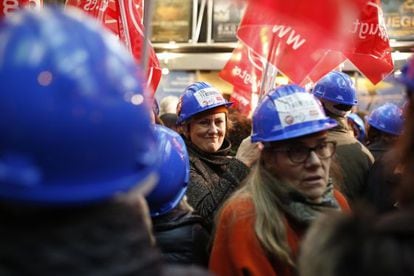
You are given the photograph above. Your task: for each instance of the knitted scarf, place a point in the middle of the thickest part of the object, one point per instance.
(299, 208)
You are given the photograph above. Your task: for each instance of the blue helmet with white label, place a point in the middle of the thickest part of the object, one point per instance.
(197, 98)
(288, 112)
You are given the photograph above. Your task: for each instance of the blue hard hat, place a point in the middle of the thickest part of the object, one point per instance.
(359, 123)
(407, 74)
(75, 127)
(336, 87)
(197, 98)
(288, 112)
(174, 172)
(387, 118)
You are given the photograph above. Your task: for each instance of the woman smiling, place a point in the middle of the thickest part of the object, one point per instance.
(214, 175)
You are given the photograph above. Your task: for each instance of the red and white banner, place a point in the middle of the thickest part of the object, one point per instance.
(305, 40)
(244, 70)
(296, 35)
(124, 18)
(371, 51)
(9, 6)
(372, 54)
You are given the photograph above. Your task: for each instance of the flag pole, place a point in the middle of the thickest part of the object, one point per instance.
(264, 85)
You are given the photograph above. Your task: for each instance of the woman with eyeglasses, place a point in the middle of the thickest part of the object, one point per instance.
(260, 226)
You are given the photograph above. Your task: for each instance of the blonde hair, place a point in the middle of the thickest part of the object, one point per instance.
(269, 224)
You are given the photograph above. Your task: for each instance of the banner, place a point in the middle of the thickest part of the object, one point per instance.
(296, 35)
(372, 54)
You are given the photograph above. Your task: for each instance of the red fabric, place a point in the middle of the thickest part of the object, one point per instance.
(9, 6)
(241, 100)
(124, 18)
(372, 54)
(319, 36)
(132, 33)
(244, 71)
(237, 251)
(295, 35)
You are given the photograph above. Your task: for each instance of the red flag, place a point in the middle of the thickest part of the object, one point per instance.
(372, 54)
(244, 72)
(296, 35)
(244, 69)
(124, 18)
(331, 60)
(241, 100)
(9, 6)
(132, 34)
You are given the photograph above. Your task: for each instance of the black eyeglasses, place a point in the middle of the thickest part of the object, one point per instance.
(299, 154)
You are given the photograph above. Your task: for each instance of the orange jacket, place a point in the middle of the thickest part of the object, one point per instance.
(236, 249)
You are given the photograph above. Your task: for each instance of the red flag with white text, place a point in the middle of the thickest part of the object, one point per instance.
(372, 54)
(243, 69)
(296, 36)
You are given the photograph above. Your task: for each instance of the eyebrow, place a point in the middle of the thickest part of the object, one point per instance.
(320, 140)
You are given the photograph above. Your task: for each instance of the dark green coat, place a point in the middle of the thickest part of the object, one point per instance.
(354, 159)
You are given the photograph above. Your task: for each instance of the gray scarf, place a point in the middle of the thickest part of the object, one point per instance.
(302, 210)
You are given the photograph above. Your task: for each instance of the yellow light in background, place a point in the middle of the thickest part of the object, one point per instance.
(282, 80)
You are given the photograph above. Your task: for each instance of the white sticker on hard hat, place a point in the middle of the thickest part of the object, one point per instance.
(208, 96)
(298, 108)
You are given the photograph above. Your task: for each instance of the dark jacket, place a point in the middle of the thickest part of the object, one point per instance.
(382, 180)
(182, 237)
(213, 177)
(109, 238)
(378, 149)
(354, 159)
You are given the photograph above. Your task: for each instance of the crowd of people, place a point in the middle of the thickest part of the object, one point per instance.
(97, 178)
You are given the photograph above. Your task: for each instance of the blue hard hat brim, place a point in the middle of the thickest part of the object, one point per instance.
(294, 131)
(61, 194)
(161, 210)
(182, 119)
(381, 128)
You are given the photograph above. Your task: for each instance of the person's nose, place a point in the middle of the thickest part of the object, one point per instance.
(313, 159)
(213, 128)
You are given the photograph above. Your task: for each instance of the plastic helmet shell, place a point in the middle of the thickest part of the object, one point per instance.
(336, 87)
(75, 126)
(359, 123)
(387, 118)
(197, 98)
(174, 172)
(288, 112)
